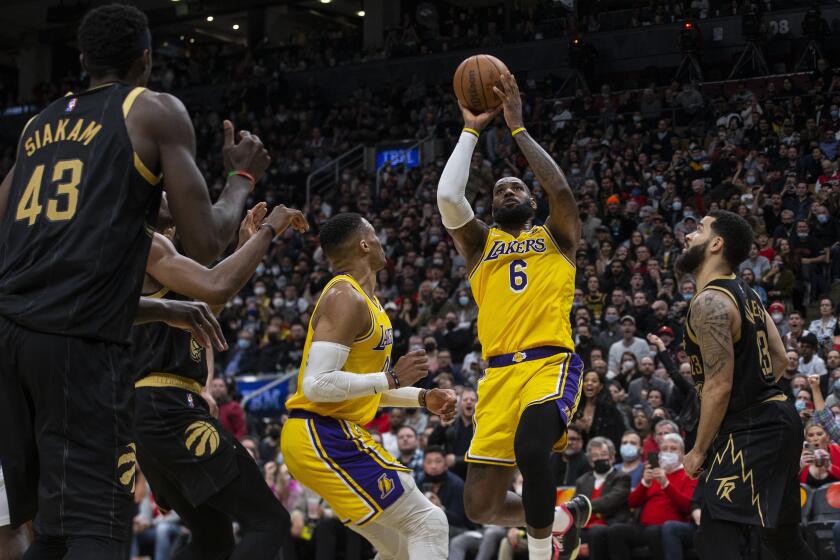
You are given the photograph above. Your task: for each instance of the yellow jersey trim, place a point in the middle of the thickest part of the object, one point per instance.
(159, 294)
(483, 254)
(130, 99)
(169, 380)
(370, 451)
(141, 168)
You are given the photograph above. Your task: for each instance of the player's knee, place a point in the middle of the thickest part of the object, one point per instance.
(531, 453)
(433, 528)
(480, 507)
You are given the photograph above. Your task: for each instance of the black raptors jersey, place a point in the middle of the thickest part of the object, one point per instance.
(159, 348)
(75, 235)
(753, 380)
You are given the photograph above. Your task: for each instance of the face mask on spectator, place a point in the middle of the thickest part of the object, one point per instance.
(243, 343)
(479, 210)
(275, 270)
(778, 317)
(822, 218)
(260, 269)
(627, 365)
(259, 291)
(611, 375)
(837, 418)
(800, 406)
(252, 313)
(451, 325)
(801, 235)
(629, 452)
(601, 466)
(277, 302)
(677, 206)
(610, 319)
(637, 118)
(750, 180)
(434, 478)
(463, 300)
(834, 114)
(237, 301)
(669, 460)
(434, 240)
(687, 297)
(707, 166)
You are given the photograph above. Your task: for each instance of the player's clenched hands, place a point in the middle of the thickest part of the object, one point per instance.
(282, 217)
(693, 463)
(251, 222)
(195, 317)
(441, 402)
(511, 100)
(410, 368)
(478, 121)
(248, 155)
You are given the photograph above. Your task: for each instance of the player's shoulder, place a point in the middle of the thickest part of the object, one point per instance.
(342, 297)
(159, 106)
(712, 303)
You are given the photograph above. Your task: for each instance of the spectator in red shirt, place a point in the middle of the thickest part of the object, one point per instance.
(664, 495)
(231, 415)
(820, 460)
(653, 443)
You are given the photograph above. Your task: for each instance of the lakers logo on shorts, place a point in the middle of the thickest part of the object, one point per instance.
(202, 438)
(386, 485)
(195, 350)
(127, 466)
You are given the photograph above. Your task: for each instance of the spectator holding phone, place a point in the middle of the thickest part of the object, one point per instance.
(664, 495)
(820, 459)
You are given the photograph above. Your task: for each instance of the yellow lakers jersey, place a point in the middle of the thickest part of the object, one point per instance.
(369, 353)
(524, 288)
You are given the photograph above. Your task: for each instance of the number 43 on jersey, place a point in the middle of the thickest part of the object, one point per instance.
(66, 175)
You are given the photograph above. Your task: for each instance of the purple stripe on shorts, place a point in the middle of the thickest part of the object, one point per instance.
(571, 387)
(382, 485)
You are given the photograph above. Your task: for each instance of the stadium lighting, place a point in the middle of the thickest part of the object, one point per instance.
(209, 18)
(360, 13)
(235, 26)
(325, 1)
(192, 40)
(182, 37)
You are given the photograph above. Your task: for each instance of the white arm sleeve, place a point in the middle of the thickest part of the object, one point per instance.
(405, 397)
(323, 380)
(455, 211)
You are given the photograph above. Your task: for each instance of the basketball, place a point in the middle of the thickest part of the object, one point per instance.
(474, 80)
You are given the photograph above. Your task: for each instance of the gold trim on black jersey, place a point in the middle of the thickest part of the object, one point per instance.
(141, 168)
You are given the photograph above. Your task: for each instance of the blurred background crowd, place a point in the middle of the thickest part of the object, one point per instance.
(646, 163)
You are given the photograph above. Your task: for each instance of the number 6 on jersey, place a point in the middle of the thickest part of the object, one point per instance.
(518, 277)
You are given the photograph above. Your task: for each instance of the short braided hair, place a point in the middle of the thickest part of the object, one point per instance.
(110, 37)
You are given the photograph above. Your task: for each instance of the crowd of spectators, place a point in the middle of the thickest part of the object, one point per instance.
(645, 166)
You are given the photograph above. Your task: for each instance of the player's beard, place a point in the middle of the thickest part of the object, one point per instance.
(515, 216)
(691, 259)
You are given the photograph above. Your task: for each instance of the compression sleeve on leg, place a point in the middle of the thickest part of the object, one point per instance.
(323, 380)
(455, 210)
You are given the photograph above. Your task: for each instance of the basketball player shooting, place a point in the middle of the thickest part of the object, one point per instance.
(749, 433)
(522, 278)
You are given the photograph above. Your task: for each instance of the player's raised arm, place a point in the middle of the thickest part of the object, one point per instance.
(714, 318)
(456, 213)
(218, 284)
(564, 220)
(336, 326)
(205, 229)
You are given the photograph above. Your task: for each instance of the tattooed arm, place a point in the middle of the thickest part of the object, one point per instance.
(564, 219)
(714, 318)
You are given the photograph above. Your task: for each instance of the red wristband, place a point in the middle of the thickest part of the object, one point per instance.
(244, 174)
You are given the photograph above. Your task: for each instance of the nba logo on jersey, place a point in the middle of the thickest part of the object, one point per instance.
(71, 105)
(190, 400)
(386, 485)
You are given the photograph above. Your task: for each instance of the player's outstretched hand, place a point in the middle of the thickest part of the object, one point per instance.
(511, 100)
(411, 367)
(442, 402)
(247, 155)
(282, 217)
(251, 222)
(478, 121)
(195, 317)
(693, 463)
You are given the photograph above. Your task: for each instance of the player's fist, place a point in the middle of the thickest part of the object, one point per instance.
(441, 402)
(247, 155)
(282, 217)
(410, 368)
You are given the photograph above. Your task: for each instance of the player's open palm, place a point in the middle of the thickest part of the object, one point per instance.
(251, 222)
(282, 217)
(478, 121)
(412, 367)
(442, 402)
(247, 155)
(508, 92)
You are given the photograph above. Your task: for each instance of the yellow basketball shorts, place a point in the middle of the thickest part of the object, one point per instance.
(505, 392)
(339, 461)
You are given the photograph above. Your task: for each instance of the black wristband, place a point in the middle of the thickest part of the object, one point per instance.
(271, 227)
(396, 379)
(422, 398)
